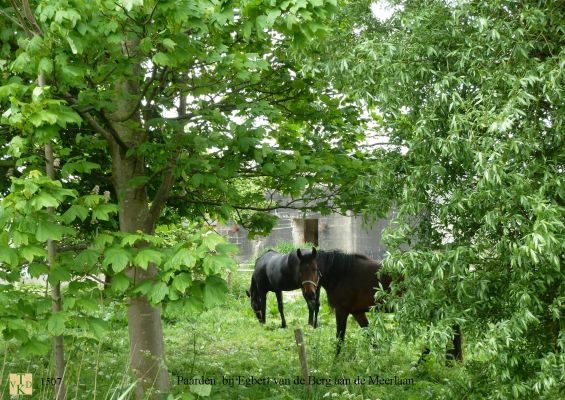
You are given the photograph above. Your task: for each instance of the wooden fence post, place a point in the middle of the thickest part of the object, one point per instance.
(303, 360)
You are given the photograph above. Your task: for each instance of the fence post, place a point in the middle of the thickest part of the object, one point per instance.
(303, 360)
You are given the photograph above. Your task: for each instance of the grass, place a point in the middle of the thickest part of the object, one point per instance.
(227, 344)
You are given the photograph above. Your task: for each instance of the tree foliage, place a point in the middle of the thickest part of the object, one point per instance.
(471, 96)
(156, 111)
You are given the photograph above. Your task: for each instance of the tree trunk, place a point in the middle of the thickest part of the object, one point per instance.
(56, 301)
(147, 356)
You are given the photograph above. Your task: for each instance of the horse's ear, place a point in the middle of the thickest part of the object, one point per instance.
(314, 252)
(299, 254)
(247, 293)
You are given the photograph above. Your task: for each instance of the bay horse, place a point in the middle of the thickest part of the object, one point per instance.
(276, 272)
(351, 282)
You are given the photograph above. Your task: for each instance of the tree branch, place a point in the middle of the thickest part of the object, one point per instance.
(168, 179)
(107, 133)
(161, 196)
(23, 23)
(29, 15)
(15, 21)
(140, 99)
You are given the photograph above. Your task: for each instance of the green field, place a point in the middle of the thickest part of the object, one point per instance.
(242, 359)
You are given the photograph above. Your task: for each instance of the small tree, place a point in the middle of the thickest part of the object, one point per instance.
(155, 110)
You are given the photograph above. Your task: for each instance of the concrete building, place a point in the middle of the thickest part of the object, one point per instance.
(330, 232)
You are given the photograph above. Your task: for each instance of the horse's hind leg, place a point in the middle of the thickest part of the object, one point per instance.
(281, 310)
(363, 322)
(361, 319)
(341, 324)
(457, 352)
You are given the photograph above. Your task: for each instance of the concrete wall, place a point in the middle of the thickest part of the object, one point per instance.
(335, 232)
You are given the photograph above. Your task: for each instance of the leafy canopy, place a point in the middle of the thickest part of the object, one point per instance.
(470, 94)
(198, 105)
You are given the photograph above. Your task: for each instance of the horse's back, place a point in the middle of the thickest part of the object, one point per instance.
(283, 272)
(355, 282)
(275, 272)
(262, 262)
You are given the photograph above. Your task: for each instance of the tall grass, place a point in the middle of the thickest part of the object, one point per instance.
(228, 342)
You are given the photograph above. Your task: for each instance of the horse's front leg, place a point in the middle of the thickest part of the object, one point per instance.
(316, 308)
(263, 307)
(341, 324)
(281, 309)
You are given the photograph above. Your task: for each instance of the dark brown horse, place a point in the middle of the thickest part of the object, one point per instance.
(351, 281)
(275, 272)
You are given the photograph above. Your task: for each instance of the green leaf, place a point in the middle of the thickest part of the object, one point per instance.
(261, 23)
(20, 239)
(66, 115)
(73, 45)
(193, 305)
(48, 230)
(87, 304)
(44, 200)
(102, 212)
(201, 390)
(146, 256)
(143, 288)
(161, 58)
(129, 4)
(87, 258)
(130, 239)
(75, 211)
(227, 248)
(30, 252)
(183, 257)
(81, 166)
(99, 327)
(169, 43)
(214, 291)
(211, 240)
(214, 264)
(56, 323)
(247, 29)
(43, 117)
(8, 255)
(101, 240)
(272, 15)
(120, 283)
(158, 292)
(35, 347)
(22, 63)
(36, 270)
(118, 257)
(58, 274)
(145, 45)
(17, 146)
(182, 281)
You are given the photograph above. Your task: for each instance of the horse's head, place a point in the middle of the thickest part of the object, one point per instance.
(255, 302)
(309, 275)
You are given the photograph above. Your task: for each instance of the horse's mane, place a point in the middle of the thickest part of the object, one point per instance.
(338, 263)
